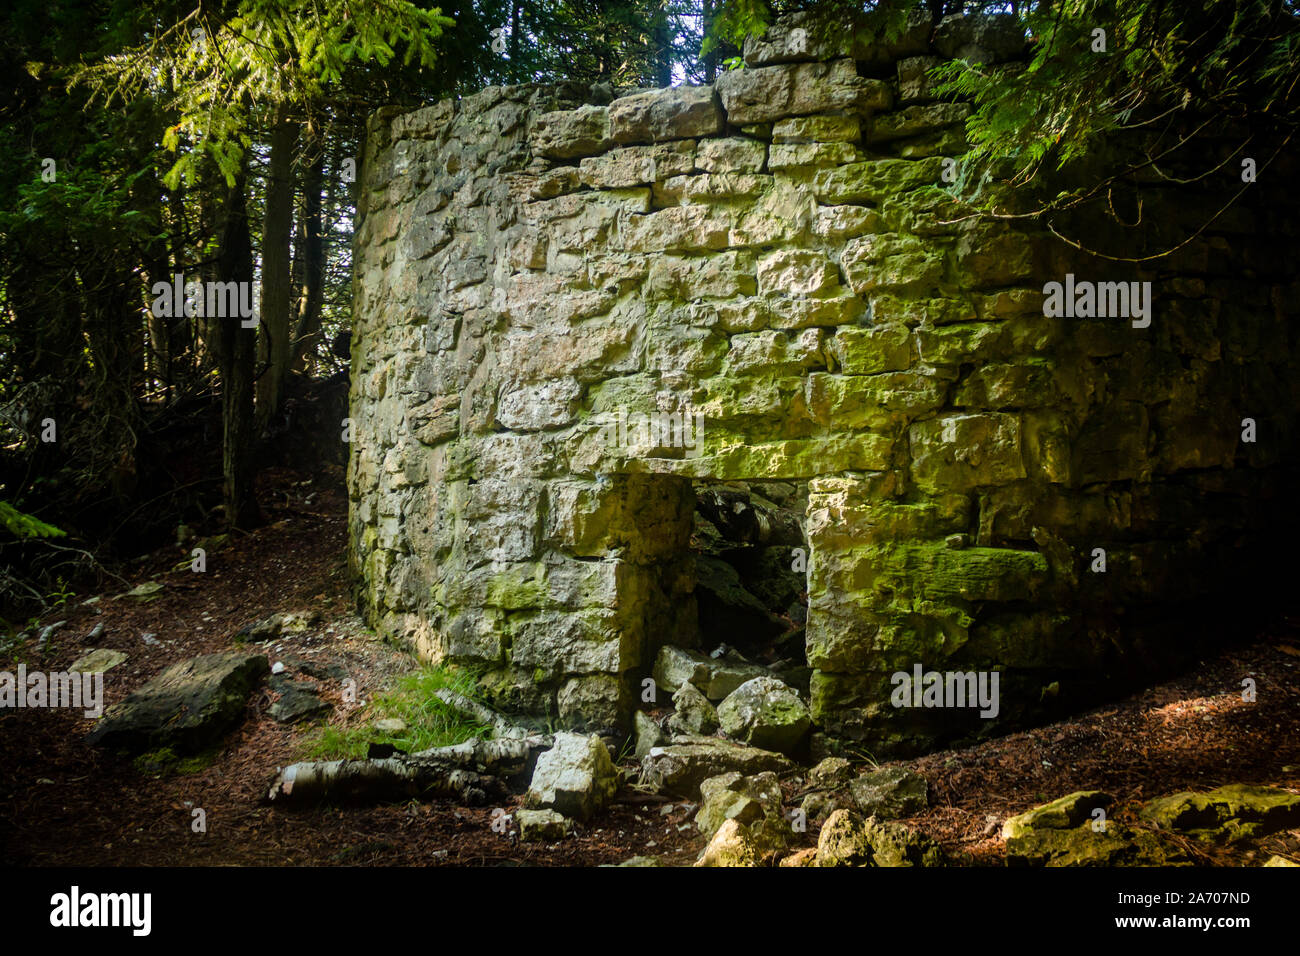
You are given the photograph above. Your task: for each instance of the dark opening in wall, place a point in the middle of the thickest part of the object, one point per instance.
(751, 553)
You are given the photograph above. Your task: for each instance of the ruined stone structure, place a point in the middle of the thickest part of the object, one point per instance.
(775, 254)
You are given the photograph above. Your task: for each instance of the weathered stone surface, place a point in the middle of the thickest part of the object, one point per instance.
(712, 187)
(675, 666)
(680, 112)
(297, 699)
(777, 92)
(568, 134)
(733, 155)
(803, 36)
(715, 677)
(783, 155)
(804, 857)
(831, 773)
(914, 83)
(798, 273)
(648, 733)
(1070, 832)
(575, 777)
(914, 120)
(592, 702)
(730, 796)
(849, 839)
(956, 452)
(1084, 846)
(1065, 813)
(97, 661)
(523, 273)
(692, 712)
(890, 263)
(1227, 813)
(980, 39)
(637, 165)
(680, 768)
(818, 129)
(820, 804)
(187, 707)
(731, 845)
(541, 826)
(874, 180)
(765, 713)
(891, 793)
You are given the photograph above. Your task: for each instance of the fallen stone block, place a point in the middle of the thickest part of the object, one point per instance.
(575, 777)
(542, 826)
(1226, 814)
(765, 713)
(187, 707)
(681, 767)
(890, 793)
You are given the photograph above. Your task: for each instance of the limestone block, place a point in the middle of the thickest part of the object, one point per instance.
(710, 187)
(990, 38)
(540, 405)
(775, 351)
(777, 92)
(882, 348)
(784, 155)
(731, 155)
(846, 222)
(681, 112)
(637, 165)
(957, 452)
(804, 36)
(874, 180)
(894, 263)
(797, 272)
(568, 134)
(915, 120)
(676, 229)
(818, 129)
(593, 702)
(914, 83)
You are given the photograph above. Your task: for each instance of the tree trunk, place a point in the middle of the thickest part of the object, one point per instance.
(706, 27)
(312, 259)
(661, 37)
(236, 350)
(182, 342)
(277, 232)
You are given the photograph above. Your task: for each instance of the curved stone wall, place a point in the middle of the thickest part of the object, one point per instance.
(567, 312)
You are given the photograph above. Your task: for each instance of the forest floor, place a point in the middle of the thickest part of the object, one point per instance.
(63, 802)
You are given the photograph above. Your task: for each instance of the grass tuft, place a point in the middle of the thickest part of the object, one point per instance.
(429, 722)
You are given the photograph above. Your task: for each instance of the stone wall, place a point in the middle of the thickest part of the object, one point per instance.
(773, 254)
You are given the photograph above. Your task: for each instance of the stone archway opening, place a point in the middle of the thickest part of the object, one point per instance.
(751, 557)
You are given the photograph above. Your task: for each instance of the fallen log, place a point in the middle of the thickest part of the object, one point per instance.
(473, 772)
(343, 781)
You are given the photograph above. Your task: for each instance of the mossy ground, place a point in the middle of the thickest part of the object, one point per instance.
(164, 762)
(429, 722)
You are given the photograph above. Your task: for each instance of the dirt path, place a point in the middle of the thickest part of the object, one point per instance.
(63, 802)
